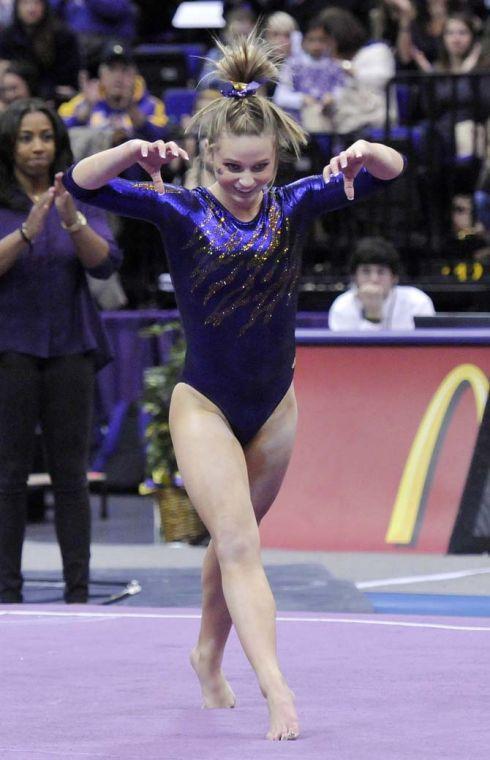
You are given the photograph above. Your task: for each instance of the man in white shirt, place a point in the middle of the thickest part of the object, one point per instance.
(375, 301)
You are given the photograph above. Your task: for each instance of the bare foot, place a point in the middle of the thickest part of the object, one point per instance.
(216, 691)
(284, 725)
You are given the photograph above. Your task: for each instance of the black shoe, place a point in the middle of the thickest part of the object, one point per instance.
(76, 597)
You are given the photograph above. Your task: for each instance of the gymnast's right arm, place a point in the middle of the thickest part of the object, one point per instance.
(95, 178)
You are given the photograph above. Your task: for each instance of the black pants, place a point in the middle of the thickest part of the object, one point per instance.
(57, 393)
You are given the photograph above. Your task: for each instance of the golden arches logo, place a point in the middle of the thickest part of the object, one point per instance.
(410, 502)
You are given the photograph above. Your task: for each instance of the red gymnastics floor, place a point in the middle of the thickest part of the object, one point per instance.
(98, 684)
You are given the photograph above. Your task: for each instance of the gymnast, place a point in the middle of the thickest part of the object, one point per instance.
(234, 252)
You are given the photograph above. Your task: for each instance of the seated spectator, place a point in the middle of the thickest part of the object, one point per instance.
(369, 66)
(466, 236)
(460, 49)
(36, 37)
(117, 101)
(282, 33)
(459, 108)
(95, 22)
(309, 81)
(111, 108)
(416, 27)
(18, 80)
(375, 301)
(239, 22)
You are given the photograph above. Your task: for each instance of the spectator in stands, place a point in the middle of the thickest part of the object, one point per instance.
(95, 22)
(239, 23)
(118, 101)
(368, 65)
(51, 337)
(17, 80)
(420, 25)
(459, 108)
(461, 50)
(467, 236)
(48, 45)
(375, 301)
(282, 33)
(396, 22)
(310, 80)
(109, 110)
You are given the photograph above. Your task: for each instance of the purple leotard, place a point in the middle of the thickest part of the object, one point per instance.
(235, 282)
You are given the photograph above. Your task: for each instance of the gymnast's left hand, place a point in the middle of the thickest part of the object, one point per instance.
(154, 155)
(348, 162)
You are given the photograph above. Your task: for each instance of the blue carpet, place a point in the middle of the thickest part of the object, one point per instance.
(430, 604)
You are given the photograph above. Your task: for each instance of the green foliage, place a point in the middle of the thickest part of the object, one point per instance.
(158, 384)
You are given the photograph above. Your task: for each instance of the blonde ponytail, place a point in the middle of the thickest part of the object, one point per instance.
(247, 60)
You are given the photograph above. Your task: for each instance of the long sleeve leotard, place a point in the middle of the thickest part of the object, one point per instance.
(235, 282)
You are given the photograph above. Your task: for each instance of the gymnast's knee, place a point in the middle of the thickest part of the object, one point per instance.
(239, 546)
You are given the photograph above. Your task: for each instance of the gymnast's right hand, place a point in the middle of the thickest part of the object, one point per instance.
(151, 156)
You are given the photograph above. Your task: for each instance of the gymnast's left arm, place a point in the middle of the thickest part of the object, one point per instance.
(379, 160)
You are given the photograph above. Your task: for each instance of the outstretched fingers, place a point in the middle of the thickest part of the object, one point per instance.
(156, 154)
(348, 163)
(162, 150)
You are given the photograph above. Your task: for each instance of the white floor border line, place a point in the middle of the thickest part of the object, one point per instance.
(402, 581)
(280, 619)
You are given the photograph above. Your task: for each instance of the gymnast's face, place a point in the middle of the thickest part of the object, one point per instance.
(243, 165)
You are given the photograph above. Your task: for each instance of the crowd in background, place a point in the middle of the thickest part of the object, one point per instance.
(336, 61)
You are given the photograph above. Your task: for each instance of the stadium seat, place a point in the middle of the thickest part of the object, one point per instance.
(179, 102)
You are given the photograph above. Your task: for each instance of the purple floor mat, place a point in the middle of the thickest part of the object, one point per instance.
(103, 684)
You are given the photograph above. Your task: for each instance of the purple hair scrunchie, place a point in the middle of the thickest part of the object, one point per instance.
(239, 89)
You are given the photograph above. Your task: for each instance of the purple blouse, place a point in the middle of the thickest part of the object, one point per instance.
(46, 308)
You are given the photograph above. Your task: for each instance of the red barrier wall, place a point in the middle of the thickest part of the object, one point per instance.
(360, 408)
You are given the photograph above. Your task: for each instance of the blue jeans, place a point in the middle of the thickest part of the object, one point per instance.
(56, 393)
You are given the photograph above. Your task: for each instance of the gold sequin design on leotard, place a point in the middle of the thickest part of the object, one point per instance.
(272, 264)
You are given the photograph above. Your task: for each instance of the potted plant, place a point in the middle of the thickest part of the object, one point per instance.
(178, 519)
